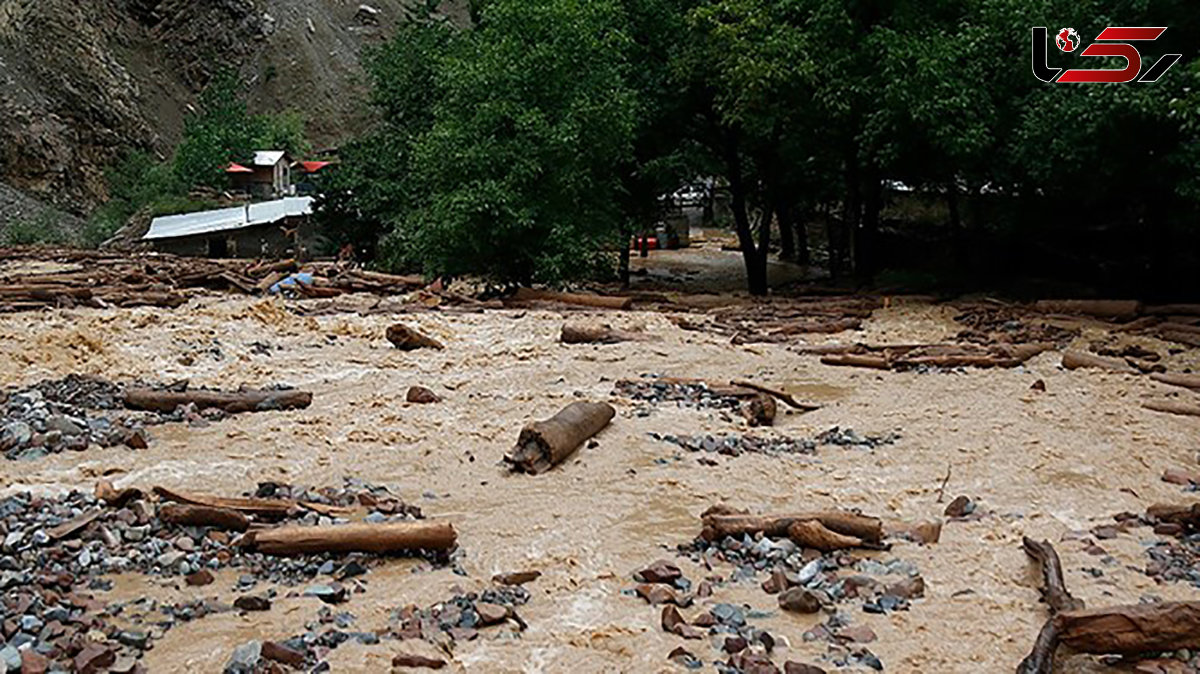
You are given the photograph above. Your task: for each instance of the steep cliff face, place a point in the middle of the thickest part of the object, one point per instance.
(82, 81)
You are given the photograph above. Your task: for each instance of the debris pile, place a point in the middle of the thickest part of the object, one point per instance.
(103, 279)
(990, 324)
(738, 444)
(78, 411)
(461, 617)
(57, 553)
(71, 413)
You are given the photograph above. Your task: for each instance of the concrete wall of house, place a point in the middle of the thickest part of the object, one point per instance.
(269, 240)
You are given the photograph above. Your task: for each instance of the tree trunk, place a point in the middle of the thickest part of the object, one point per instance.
(623, 258)
(800, 229)
(866, 261)
(756, 264)
(787, 234)
(957, 235)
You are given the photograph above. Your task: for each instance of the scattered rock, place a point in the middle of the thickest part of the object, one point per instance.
(280, 653)
(410, 660)
(660, 571)
(800, 600)
(961, 506)
(244, 659)
(249, 602)
(421, 395)
(516, 577)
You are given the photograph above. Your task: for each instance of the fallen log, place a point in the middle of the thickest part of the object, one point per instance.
(813, 534)
(722, 523)
(580, 299)
(408, 339)
(829, 349)
(1191, 381)
(1185, 409)
(1180, 327)
(545, 444)
(74, 525)
(1073, 360)
(117, 498)
(1054, 590)
(857, 360)
(1185, 515)
(241, 401)
(783, 397)
(203, 516)
(585, 333)
(269, 508)
(1173, 309)
(377, 538)
(1131, 629)
(1111, 309)
(1180, 337)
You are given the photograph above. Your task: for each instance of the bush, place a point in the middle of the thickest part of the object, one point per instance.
(40, 229)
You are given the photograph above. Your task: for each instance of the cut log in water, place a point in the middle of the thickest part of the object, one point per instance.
(783, 397)
(241, 401)
(409, 339)
(395, 537)
(857, 360)
(1054, 590)
(203, 516)
(1174, 309)
(1185, 409)
(719, 523)
(579, 299)
(587, 333)
(1131, 629)
(1180, 337)
(545, 444)
(261, 507)
(1073, 360)
(813, 534)
(1111, 309)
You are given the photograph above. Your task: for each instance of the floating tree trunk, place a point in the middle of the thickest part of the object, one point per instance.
(387, 538)
(241, 401)
(545, 444)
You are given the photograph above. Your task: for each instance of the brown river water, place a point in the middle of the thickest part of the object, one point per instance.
(1041, 464)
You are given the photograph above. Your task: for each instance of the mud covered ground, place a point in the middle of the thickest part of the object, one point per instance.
(1050, 464)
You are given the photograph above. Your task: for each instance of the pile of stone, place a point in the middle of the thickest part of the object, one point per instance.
(461, 617)
(57, 552)
(687, 393)
(738, 444)
(71, 413)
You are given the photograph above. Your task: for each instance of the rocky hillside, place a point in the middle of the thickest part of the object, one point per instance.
(82, 81)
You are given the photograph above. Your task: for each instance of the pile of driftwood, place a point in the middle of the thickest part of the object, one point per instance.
(1129, 629)
(908, 356)
(254, 518)
(782, 320)
(101, 279)
(824, 530)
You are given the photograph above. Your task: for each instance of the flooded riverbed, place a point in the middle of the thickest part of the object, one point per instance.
(1040, 464)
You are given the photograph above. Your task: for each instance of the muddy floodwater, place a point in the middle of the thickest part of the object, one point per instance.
(1049, 464)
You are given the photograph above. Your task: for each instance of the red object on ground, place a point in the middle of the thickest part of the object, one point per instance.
(651, 243)
(314, 166)
(238, 168)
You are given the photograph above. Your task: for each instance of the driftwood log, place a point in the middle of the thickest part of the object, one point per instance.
(1186, 409)
(377, 538)
(1073, 360)
(813, 534)
(1054, 592)
(241, 401)
(760, 410)
(721, 522)
(1131, 629)
(1110, 309)
(409, 339)
(203, 516)
(1184, 515)
(1127, 630)
(857, 360)
(579, 299)
(545, 444)
(1174, 310)
(588, 333)
(783, 397)
(259, 507)
(1180, 337)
